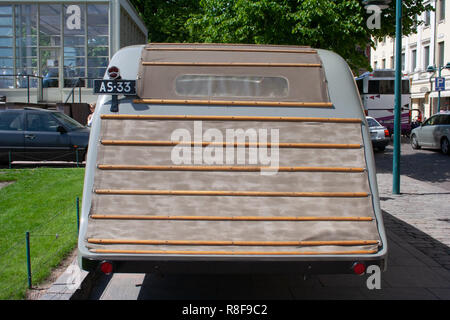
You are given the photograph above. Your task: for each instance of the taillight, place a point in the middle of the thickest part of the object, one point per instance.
(359, 268)
(386, 133)
(106, 267)
(113, 72)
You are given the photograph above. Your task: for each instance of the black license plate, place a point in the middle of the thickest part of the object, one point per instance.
(126, 87)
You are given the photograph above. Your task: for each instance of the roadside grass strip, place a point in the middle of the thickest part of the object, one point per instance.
(43, 202)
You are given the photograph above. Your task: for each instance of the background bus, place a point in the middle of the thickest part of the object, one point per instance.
(377, 94)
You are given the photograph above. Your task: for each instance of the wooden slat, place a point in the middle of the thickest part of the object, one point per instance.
(278, 253)
(230, 64)
(230, 50)
(224, 218)
(234, 243)
(236, 103)
(226, 118)
(232, 193)
(232, 144)
(227, 168)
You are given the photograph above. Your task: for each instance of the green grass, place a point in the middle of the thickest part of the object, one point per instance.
(43, 202)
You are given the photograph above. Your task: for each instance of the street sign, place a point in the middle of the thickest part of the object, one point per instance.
(440, 84)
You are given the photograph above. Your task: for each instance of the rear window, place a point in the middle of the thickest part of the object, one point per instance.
(10, 121)
(445, 119)
(373, 122)
(68, 122)
(442, 119)
(231, 86)
(386, 86)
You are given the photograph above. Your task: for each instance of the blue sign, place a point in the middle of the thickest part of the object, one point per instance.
(440, 84)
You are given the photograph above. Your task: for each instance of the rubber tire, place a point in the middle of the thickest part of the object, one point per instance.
(381, 149)
(445, 146)
(414, 142)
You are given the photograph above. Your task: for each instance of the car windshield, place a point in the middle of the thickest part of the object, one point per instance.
(373, 123)
(67, 121)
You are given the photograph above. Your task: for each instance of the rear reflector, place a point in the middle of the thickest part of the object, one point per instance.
(359, 268)
(106, 267)
(386, 133)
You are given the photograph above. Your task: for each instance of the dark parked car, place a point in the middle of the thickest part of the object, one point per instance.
(33, 134)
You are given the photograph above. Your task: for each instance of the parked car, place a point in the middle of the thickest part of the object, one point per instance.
(378, 134)
(434, 133)
(33, 134)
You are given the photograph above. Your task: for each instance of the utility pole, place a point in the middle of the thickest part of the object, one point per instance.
(398, 98)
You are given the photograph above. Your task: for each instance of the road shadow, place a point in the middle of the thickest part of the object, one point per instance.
(425, 165)
(429, 246)
(320, 287)
(415, 283)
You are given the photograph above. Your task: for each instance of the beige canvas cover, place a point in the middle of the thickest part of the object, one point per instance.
(120, 221)
(163, 65)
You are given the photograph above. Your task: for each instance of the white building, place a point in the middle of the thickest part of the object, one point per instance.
(429, 46)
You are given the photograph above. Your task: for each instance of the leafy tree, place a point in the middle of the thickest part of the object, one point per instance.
(337, 25)
(165, 19)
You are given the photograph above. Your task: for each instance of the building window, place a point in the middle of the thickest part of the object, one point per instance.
(50, 37)
(403, 61)
(427, 18)
(426, 56)
(97, 50)
(383, 64)
(441, 10)
(413, 60)
(441, 53)
(49, 25)
(26, 44)
(74, 45)
(375, 65)
(392, 62)
(6, 47)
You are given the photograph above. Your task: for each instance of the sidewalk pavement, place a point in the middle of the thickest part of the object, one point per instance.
(68, 284)
(422, 206)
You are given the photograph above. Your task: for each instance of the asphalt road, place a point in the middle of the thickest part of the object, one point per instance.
(426, 165)
(418, 265)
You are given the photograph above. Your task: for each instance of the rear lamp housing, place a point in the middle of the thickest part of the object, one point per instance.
(359, 268)
(106, 267)
(113, 72)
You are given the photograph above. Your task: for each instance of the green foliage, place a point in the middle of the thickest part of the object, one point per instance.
(41, 201)
(337, 25)
(165, 19)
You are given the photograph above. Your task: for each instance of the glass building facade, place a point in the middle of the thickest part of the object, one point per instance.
(67, 44)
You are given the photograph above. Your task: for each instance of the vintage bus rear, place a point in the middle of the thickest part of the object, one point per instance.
(292, 191)
(378, 97)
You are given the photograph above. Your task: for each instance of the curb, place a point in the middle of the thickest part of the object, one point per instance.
(73, 284)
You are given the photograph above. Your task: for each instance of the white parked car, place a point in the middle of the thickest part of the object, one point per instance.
(434, 133)
(378, 134)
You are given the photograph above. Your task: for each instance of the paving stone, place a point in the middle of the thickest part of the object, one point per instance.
(441, 293)
(399, 294)
(415, 277)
